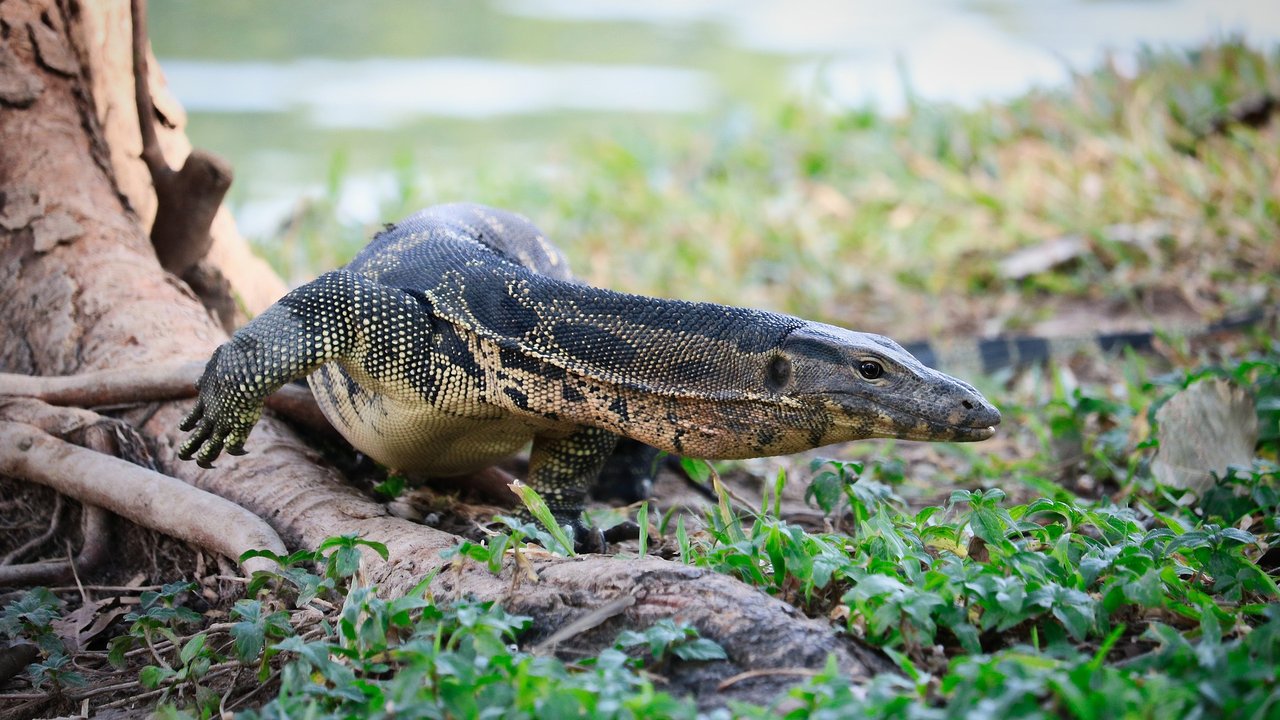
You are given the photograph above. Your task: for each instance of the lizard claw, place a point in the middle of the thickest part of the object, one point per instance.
(587, 538)
(223, 414)
(202, 431)
(623, 531)
(192, 417)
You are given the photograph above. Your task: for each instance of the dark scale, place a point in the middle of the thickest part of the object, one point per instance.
(457, 336)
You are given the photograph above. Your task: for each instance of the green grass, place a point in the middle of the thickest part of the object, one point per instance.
(1012, 589)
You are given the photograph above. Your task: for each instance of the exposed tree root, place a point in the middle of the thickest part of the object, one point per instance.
(187, 200)
(146, 497)
(165, 381)
(107, 387)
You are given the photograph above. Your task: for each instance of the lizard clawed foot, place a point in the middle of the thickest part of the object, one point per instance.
(224, 412)
(588, 539)
(623, 531)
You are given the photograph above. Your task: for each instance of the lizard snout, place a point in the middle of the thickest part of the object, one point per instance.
(975, 418)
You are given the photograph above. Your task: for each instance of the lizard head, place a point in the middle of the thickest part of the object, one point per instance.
(872, 387)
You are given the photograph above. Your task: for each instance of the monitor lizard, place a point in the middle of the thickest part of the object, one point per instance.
(458, 336)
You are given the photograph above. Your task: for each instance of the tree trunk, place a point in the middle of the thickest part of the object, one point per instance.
(81, 290)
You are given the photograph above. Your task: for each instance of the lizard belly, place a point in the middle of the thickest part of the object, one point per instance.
(410, 435)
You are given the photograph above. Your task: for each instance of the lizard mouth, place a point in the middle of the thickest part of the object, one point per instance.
(929, 429)
(972, 433)
(909, 423)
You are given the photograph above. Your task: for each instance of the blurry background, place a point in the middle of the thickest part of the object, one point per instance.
(745, 151)
(280, 87)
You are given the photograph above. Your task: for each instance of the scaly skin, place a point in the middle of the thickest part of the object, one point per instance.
(457, 336)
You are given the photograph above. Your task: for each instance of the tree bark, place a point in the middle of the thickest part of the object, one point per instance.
(81, 290)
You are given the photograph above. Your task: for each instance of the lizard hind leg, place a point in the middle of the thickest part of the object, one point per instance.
(562, 471)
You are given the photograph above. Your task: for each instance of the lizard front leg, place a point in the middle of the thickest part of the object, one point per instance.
(562, 471)
(316, 323)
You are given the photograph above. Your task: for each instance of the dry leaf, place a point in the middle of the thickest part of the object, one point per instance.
(79, 627)
(1202, 430)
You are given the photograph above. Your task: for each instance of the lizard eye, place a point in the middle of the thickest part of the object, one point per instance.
(779, 373)
(870, 369)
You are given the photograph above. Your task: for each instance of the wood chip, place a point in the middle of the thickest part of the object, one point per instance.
(1202, 430)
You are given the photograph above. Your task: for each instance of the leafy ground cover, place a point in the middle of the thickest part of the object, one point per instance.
(1046, 575)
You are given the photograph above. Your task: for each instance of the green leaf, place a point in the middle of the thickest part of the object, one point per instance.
(119, 645)
(192, 648)
(250, 634)
(698, 470)
(1243, 537)
(153, 676)
(682, 539)
(538, 508)
(700, 649)
(642, 519)
(826, 488)
(391, 488)
(344, 562)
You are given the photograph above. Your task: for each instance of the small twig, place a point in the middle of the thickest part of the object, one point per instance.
(94, 527)
(313, 634)
(222, 701)
(146, 637)
(108, 588)
(257, 689)
(71, 565)
(55, 524)
(591, 620)
(163, 645)
(18, 526)
(133, 699)
(104, 690)
(765, 672)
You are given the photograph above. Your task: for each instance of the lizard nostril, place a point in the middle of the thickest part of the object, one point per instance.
(967, 405)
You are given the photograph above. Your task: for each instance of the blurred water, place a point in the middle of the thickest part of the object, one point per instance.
(381, 93)
(282, 87)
